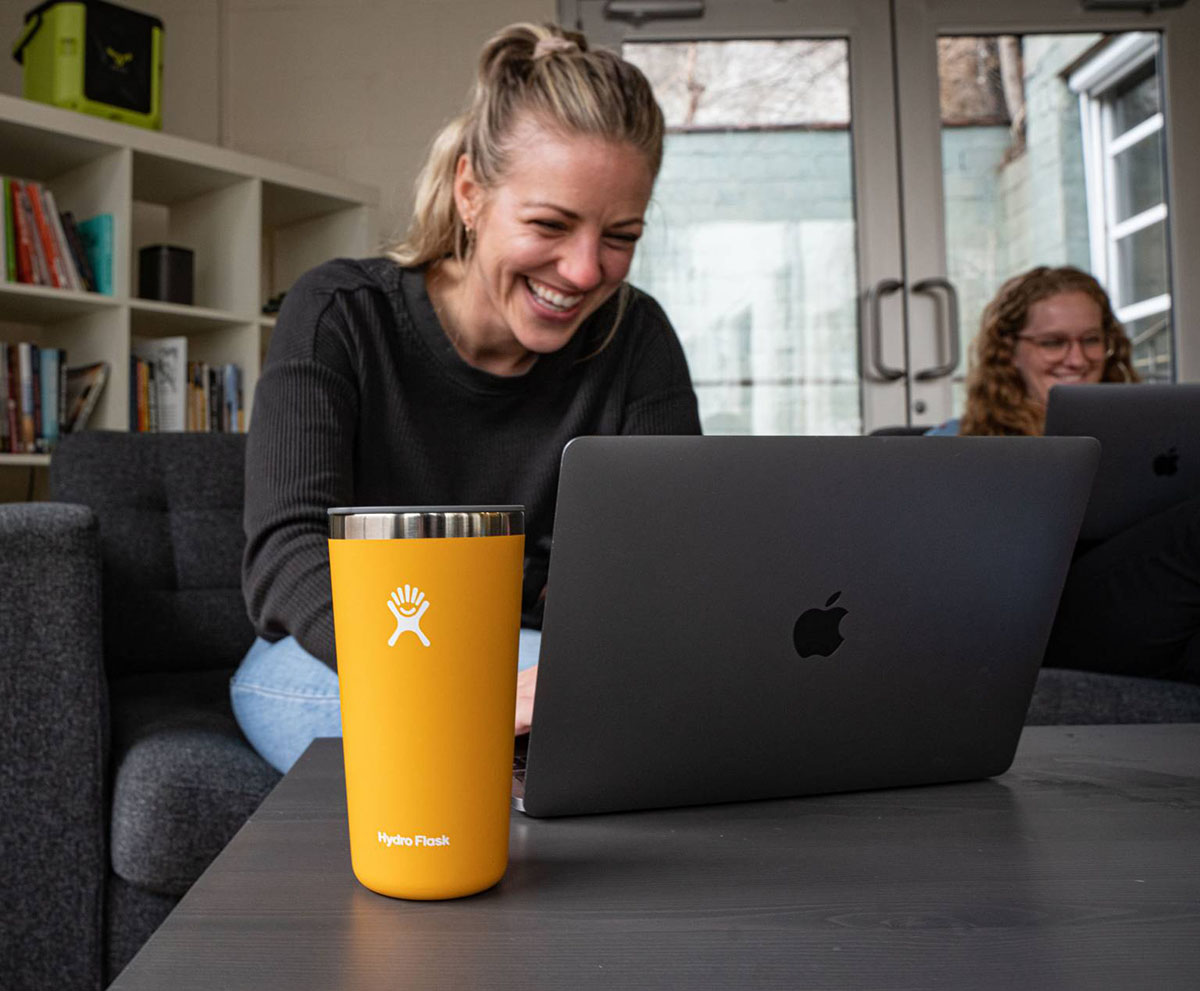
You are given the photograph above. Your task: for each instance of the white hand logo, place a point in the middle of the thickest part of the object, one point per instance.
(404, 605)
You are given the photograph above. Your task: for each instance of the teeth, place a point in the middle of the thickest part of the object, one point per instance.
(554, 299)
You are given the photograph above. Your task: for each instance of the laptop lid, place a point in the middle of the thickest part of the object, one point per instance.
(733, 618)
(1150, 448)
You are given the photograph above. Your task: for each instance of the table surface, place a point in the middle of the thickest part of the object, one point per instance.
(1079, 868)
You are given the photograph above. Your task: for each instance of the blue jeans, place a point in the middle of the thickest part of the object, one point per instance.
(283, 698)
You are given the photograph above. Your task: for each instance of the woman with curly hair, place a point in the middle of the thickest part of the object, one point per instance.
(1046, 327)
(1131, 604)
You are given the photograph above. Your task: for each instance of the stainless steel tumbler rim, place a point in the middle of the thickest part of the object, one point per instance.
(420, 522)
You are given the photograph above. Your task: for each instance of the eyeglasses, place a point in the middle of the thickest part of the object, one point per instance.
(1055, 348)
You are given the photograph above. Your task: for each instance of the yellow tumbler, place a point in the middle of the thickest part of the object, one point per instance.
(426, 616)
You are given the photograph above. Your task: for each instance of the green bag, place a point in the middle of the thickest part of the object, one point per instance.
(94, 57)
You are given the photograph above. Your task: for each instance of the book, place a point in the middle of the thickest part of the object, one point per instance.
(96, 233)
(5, 439)
(139, 412)
(4, 248)
(214, 400)
(151, 396)
(49, 379)
(27, 268)
(35, 378)
(10, 232)
(168, 358)
(46, 238)
(232, 393)
(77, 252)
(60, 241)
(84, 385)
(28, 423)
(12, 410)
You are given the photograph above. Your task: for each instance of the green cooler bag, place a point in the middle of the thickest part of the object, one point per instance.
(94, 57)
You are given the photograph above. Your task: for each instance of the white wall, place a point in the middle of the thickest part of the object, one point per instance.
(350, 88)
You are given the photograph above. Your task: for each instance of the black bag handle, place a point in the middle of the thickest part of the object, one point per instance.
(31, 28)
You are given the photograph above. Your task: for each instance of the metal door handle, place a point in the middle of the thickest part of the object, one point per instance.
(638, 12)
(875, 294)
(954, 349)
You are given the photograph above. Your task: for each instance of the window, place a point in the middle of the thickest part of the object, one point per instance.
(1119, 87)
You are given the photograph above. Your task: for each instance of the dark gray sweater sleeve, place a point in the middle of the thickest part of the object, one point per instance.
(661, 399)
(299, 462)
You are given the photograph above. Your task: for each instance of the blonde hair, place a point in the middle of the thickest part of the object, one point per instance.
(526, 70)
(997, 401)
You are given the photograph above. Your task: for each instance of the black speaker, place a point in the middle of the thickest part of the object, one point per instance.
(165, 273)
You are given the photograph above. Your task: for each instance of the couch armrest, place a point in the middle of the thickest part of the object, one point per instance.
(53, 748)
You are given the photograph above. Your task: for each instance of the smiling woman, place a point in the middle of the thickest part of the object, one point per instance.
(455, 369)
(1131, 603)
(1045, 327)
(550, 244)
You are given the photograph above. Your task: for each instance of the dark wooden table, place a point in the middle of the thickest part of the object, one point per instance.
(1079, 868)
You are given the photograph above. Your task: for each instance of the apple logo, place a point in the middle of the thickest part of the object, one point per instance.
(816, 631)
(1167, 463)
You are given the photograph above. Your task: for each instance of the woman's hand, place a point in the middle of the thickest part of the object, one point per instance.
(526, 685)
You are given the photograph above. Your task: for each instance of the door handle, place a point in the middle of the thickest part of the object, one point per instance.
(884, 287)
(954, 347)
(638, 12)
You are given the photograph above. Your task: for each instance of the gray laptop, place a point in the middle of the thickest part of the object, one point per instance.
(732, 618)
(1150, 448)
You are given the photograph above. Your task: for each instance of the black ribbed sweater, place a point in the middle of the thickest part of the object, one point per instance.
(363, 400)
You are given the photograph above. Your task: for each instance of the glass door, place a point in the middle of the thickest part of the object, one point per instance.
(846, 184)
(773, 239)
(1042, 132)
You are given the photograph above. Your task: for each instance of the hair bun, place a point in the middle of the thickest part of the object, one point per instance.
(553, 44)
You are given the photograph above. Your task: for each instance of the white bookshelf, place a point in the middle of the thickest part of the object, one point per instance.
(254, 226)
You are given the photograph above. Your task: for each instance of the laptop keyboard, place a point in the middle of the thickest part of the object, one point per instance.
(520, 756)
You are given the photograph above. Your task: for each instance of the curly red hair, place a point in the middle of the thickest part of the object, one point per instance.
(997, 401)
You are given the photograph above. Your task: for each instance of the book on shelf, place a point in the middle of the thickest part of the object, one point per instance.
(61, 247)
(28, 425)
(12, 400)
(75, 242)
(167, 358)
(83, 387)
(43, 246)
(96, 233)
(215, 398)
(50, 377)
(32, 397)
(212, 398)
(30, 268)
(6, 243)
(46, 243)
(10, 238)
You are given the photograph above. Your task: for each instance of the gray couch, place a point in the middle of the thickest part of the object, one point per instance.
(124, 774)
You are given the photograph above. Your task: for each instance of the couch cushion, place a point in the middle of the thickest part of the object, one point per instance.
(1064, 697)
(185, 780)
(171, 538)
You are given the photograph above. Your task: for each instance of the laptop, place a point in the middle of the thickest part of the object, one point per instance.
(735, 618)
(1150, 448)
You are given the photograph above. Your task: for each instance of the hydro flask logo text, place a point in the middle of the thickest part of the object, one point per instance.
(389, 840)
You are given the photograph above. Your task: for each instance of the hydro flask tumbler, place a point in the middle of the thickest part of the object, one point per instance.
(427, 615)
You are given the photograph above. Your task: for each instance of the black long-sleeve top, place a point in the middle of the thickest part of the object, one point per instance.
(364, 401)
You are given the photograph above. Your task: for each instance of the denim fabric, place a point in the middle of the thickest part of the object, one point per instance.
(947, 429)
(283, 697)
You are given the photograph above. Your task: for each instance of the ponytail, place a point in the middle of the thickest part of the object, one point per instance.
(538, 70)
